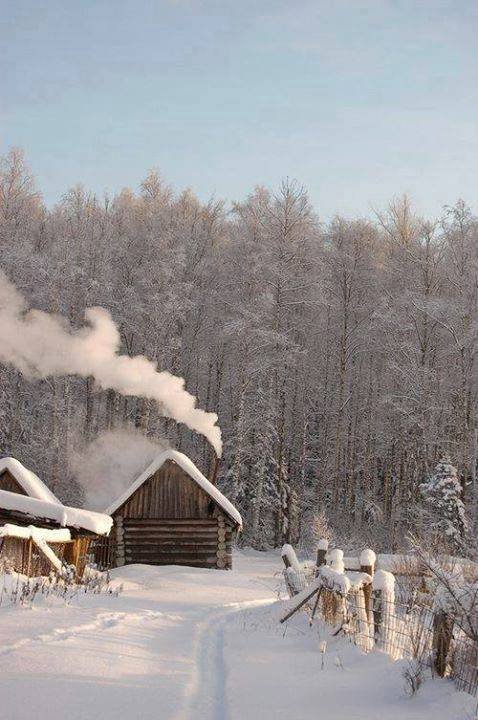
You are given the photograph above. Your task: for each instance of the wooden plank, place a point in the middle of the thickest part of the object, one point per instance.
(190, 555)
(172, 547)
(171, 529)
(303, 597)
(173, 542)
(176, 529)
(191, 537)
(167, 553)
(209, 563)
(168, 493)
(172, 559)
(201, 535)
(170, 521)
(178, 539)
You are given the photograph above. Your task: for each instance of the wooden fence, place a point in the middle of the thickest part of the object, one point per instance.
(102, 553)
(362, 605)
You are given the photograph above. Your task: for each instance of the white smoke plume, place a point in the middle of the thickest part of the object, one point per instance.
(43, 345)
(108, 465)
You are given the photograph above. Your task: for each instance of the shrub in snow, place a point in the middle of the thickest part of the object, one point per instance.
(18, 589)
(413, 676)
(444, 509)
(314, 528)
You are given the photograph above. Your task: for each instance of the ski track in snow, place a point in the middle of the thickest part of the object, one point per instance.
(206, 695)
(103, 621)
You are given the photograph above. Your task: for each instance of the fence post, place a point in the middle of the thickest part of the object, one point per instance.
(442, 636)
(367, 565)
(322, 548)
(377, 613)
(384, 609)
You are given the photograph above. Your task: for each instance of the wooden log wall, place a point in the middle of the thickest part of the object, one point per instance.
(171, 520)
(194, 542)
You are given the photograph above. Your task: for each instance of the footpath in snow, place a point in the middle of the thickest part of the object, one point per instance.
(189, 644)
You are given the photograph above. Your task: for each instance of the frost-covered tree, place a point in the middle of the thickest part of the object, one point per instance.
(339, 356)
(445, 512)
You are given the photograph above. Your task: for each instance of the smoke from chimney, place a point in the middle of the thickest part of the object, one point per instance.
(43, 345)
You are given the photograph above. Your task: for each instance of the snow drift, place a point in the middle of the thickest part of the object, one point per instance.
(41, 345)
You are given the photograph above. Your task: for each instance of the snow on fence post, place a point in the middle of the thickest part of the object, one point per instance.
(335, 559)
(367, 565)
(384, 610)
(333, 604)
(442, 637)
(322, 548)
(293, 573)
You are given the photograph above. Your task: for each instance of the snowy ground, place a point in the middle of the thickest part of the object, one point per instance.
(186, 644)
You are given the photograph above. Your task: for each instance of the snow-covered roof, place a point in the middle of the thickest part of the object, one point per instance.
(190, 469)
(27, 480)
(55, 535)
(62, 514)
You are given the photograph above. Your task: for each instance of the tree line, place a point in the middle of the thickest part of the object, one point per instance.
(340, 356)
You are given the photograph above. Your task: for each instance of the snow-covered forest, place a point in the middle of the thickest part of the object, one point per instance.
(340, 355)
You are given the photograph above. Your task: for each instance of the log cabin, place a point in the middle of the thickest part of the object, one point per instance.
(38, 533)
(172, 515)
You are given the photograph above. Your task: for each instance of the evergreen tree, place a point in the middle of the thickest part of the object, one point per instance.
(445, 511)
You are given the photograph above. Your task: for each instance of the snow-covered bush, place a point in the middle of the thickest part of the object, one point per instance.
(18, 589)
(314, 527)
(413, 676)
(445, 518)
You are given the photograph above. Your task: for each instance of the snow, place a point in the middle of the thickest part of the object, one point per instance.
(334, 580)
(30, 482)
(189, 467)
(323, 544)
(335, 559)
(42, 545)
(31, 531)
(195, 644)
(294, 574)
(367, 558)
(359, 579)
(62, 514)
(289, 552)
(385, 581)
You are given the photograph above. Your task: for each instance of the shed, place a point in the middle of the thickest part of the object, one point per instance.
(172, 515)
(38, 532)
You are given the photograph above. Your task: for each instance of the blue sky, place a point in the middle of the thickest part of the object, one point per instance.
(360, 100)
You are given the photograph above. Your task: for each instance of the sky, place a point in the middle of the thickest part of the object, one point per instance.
(359, 100)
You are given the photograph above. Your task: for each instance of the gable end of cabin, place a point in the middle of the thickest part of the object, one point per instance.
(171, 520)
